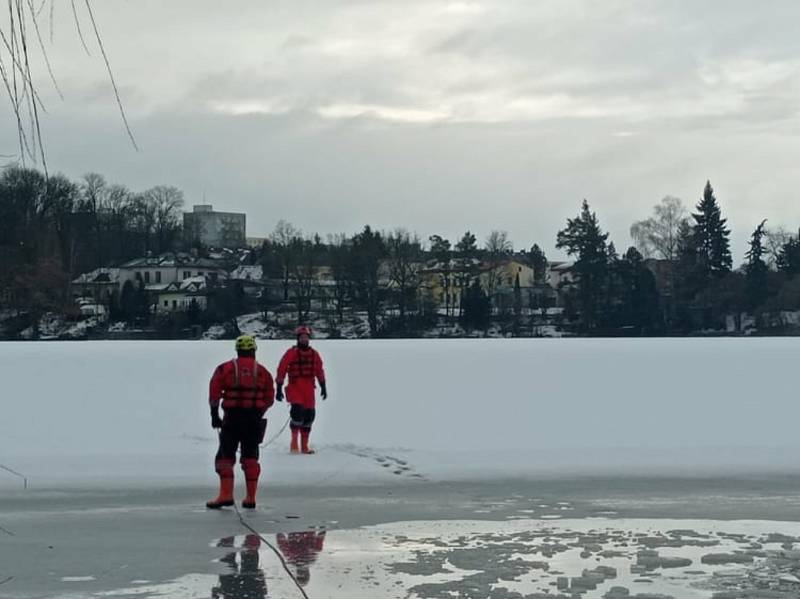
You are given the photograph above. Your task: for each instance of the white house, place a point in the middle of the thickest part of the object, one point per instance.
(179, 296)
(154, 271)
(98, 284)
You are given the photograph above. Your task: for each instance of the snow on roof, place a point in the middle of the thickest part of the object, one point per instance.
(193, 283)
(170, 260)
(561, 265)
(99, 275)
(248, 273)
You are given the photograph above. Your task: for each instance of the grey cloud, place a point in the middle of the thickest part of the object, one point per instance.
(505, 116)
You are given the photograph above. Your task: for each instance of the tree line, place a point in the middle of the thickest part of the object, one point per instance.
(676, 278)
(53, 229)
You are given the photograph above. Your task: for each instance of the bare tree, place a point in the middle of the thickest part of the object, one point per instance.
(774, 242)
(339, 252)
(164, 204)
(283, 238)
(305, 261)
(498, 249)
(404, 259)
(657, 236)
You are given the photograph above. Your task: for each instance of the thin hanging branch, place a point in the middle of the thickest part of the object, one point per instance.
(23, 140)
(17, 77)
(44, 51)
(13, 91)
(110, 75)
(31, 98)
(78, 27)
(17, 67)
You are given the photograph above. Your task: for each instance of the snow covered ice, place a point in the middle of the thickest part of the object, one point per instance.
(426, 450)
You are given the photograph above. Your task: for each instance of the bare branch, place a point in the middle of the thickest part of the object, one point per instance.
(110, 75)
(44, 51)
(78, 27)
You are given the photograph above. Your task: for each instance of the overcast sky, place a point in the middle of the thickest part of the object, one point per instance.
(437, 116)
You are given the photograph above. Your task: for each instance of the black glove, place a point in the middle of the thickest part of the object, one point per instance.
(279, 393)
(216, 421)
(323, 390)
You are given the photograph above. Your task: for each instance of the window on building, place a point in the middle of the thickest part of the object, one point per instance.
(158, 276)
(138, 276)
(166, 304)
(147, 276)
(174, 304)
(187, 274)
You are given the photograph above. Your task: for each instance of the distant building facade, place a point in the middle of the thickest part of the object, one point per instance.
(214, 229)
(154, 273)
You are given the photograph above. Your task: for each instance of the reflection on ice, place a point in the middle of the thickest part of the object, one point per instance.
(245, 580)
(301, 550)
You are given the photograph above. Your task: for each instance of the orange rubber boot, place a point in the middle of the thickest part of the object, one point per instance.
(250, 501)
(304, 433)
(252, 470)
(225, 497)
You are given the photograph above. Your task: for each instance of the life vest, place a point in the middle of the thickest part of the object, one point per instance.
(245, 391)
(303, 364)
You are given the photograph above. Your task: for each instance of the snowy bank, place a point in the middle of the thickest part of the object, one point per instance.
(102, 411)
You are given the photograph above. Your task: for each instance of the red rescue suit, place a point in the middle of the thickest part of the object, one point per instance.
(242, 383)
(304, 367)
(246, 390)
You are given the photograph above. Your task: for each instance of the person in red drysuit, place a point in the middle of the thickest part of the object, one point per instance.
(301, 550)
(304, 366)
(246, 391)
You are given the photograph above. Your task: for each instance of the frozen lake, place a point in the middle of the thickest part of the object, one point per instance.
(127, 410)
(426, 447)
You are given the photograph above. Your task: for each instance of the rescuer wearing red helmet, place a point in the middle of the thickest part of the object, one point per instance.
(304, 366)
(246, 391)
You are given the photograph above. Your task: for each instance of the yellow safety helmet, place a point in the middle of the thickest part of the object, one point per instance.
(246, 343)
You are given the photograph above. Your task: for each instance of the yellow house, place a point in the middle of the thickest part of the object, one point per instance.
(503, 277)
(445, 282)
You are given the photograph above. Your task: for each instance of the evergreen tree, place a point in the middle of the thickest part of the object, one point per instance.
(368, 251)
(638, 296)
(465, 268)
(711, 236)
(583, 239)
(476, 306)
(756, 270)
(789, 256)
(538, 262)
(442, 252)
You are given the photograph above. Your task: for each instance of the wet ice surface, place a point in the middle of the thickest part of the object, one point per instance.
(680, 538)
(522, 559)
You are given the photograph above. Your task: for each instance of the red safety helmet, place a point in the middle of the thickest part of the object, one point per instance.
(302, 330)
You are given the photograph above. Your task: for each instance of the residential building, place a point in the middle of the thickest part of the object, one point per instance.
(179, 296)
(99, 285)
(155, 272)
(250, 278)
(214, 229)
